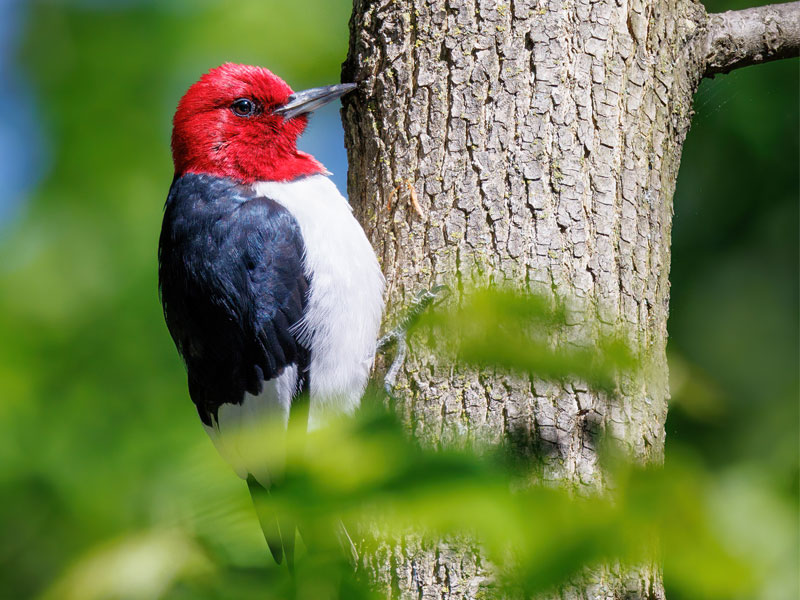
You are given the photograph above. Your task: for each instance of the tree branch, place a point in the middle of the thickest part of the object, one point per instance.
(740, 38)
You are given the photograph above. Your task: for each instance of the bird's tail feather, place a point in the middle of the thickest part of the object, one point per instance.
(280, 530)
(279, 533)
(288, 529)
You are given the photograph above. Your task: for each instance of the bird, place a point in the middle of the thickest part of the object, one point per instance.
(270, 288)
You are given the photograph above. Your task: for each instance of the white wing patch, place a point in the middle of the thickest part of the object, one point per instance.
(251, 435)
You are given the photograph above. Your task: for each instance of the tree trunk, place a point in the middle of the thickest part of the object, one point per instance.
(534, 143)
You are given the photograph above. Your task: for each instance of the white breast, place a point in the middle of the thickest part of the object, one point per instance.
(346, 293)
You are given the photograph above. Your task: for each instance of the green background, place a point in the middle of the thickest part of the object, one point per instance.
(102, 457)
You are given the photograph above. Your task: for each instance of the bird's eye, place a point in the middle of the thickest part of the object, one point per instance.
(243, 107)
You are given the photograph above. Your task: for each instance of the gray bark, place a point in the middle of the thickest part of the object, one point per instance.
(741, 38)
(534, 143)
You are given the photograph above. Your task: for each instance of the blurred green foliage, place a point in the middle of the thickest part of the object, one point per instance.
(108, 485)
(501, 328)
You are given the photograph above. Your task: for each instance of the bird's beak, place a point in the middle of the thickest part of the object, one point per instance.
(306, 101)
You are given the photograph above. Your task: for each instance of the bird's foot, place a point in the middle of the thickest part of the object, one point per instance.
(412, 314)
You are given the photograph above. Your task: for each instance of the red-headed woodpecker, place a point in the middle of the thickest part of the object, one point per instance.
(270, 288)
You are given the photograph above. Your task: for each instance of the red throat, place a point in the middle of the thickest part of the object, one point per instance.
(208, 137)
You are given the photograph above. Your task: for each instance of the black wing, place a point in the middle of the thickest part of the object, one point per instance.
(233, 287)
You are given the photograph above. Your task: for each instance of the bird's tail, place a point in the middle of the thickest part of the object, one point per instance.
(279, 532)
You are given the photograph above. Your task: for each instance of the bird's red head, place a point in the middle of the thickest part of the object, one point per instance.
(243, 122)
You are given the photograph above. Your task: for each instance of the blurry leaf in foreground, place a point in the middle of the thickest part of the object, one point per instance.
(759, 524)
(140, 566)
(366, 470)
(511, 330)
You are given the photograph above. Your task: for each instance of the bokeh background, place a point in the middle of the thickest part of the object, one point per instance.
(104, 467)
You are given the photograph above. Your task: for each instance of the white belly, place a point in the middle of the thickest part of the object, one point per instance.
(345, 297)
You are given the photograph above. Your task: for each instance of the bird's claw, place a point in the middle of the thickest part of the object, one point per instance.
(423, 300)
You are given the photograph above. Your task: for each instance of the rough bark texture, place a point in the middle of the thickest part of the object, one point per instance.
(535, 143)
(741, 38)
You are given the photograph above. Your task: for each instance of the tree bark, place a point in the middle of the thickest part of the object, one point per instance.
(534, 143)
(740, 38)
